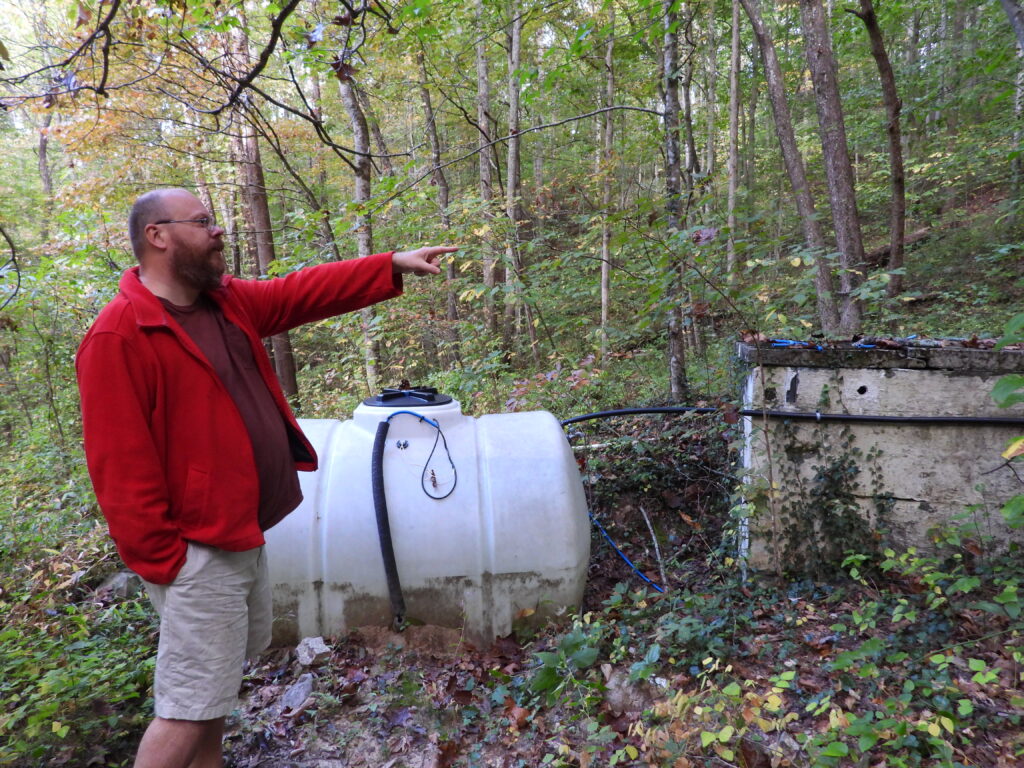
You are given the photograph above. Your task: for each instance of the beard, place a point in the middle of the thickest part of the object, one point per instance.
(200, 268)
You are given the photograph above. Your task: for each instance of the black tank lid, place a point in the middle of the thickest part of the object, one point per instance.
(414, 397)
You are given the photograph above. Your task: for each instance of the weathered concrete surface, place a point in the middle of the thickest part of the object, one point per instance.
(933, 472)
(944, 358)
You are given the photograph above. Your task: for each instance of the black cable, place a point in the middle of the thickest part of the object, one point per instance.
(807, 416)
(426, 466)
(433, 480)
(380, 507)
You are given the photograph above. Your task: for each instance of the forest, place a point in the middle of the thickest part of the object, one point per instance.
(634, 186)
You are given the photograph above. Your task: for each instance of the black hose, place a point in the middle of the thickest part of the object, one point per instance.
(380, 507)
(809, 416)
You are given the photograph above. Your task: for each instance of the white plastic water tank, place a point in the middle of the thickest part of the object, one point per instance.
(511, 540)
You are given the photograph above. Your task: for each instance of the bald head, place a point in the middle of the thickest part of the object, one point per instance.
(149, 208)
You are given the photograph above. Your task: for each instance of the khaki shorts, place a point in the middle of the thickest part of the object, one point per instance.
(215, 614)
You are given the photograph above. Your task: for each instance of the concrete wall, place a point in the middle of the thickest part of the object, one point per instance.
(933, 472)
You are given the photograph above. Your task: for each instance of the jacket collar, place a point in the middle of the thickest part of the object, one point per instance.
(148, 309)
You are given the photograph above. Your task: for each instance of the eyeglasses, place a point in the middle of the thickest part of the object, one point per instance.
(207, 222)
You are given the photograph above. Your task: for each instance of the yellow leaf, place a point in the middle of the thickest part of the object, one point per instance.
(632, 751)
(1015, 448)
(481, 231)
(836, 719)
(773, 703)
(796, 261)
(55, 726)
(947, 723)
(933, 729)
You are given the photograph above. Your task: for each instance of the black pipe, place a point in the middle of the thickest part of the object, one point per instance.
(380, 507)
(809, 416)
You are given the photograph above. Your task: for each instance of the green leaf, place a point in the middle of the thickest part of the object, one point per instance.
(548, 659)
(836, 749)
(732, 689)
(547, 679)
(866, 742)
(1013, 512)
(708, 737)
(1012, 331)
(1006, 391)
(584, 657)
(653, 654)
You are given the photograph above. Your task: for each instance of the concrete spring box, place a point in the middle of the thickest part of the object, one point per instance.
(914, 445)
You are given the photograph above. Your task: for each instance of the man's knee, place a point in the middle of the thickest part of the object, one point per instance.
(171, 743)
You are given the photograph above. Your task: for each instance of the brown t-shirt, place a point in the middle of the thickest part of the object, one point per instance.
(227, 349)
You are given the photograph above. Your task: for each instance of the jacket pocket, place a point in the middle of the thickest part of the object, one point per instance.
(196, 498)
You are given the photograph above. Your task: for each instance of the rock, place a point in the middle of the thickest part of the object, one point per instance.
(625, 696)
(312, 652)
(298, 692)
(121, 584)
(785, 751)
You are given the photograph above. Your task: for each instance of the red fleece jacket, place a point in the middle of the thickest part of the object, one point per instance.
(168, 453)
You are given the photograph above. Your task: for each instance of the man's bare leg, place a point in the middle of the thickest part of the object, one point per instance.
(181, 744)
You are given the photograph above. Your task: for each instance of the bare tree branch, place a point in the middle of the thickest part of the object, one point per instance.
(264, 58)
(12, 260)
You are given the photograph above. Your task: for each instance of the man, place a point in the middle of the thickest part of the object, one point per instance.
(193, 450)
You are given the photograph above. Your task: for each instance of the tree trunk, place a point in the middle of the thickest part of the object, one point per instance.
(794, 163)
(734, 141)
(259, 206)
(45, 176)
(750, 140)
(202, 188)
(486, 164)
(258, 209)
(384, 159)
(891, 100)
(243, 247)
(513, 187)
(364, 225)
(1015, 14)
(710, 161)
(915, 134)
(678, 384)
(692, 167)
(1017, 164)
(318, 198)
(955, 65)
(608, 161)
(838, 169)
(441, 182)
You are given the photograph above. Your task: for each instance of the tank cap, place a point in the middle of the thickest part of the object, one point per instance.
(404, 398)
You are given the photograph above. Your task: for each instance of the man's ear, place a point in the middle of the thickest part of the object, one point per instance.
(155, 236)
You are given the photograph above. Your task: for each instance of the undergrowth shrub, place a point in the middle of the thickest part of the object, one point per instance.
(75, 665)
